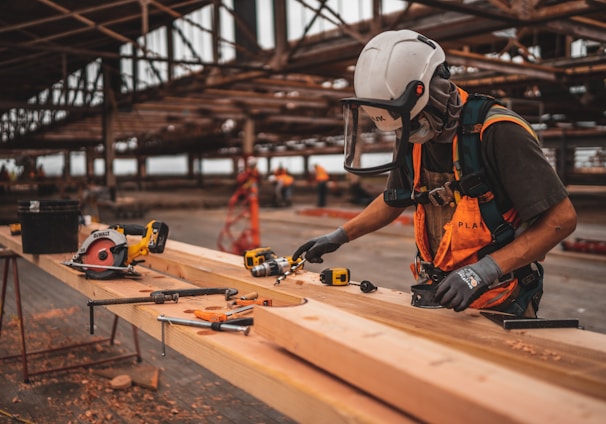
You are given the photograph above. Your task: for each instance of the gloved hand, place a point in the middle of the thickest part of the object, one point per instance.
(316, 247)
(461, 287)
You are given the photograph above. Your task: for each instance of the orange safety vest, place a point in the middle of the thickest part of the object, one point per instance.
(466, 233)
(321, 174)
(285, 179)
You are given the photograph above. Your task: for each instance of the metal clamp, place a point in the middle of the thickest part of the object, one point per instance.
(158, 297)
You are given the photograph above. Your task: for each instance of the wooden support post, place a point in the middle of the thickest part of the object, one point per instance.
(280, 34)
(141, 170)
(306, 170)
(190, 166)
(245, 28)
(111, 84)
(90, 164)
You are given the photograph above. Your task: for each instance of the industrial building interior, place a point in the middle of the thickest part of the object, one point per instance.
(94, 84)
(209, 79)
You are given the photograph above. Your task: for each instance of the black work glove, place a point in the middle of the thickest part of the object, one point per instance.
(461, 287)
(316, 247)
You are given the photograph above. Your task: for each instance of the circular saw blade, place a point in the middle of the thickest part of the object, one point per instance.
(103, 251)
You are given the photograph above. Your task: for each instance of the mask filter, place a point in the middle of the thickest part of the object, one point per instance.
(422, 133)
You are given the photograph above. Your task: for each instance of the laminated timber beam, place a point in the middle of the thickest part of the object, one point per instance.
(459, 358)
(572, 358)
(413, 374)
(269, 373)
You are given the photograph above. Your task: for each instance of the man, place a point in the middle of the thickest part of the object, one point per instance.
(284, 187)
(481, 228)
(321, 177)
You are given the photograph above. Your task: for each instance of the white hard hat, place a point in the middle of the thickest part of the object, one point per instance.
(387, 64)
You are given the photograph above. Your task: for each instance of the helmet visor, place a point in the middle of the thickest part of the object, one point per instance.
(373, 126)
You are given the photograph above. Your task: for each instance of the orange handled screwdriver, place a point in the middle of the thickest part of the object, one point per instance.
(220, 316)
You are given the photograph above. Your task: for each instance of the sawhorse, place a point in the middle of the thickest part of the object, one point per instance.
(11, 257)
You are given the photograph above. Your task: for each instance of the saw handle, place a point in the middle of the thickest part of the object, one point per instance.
(130, 229)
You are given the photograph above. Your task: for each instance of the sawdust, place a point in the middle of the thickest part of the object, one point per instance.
(55, 313)
(213, 308)
(545, 354)
(80, 396)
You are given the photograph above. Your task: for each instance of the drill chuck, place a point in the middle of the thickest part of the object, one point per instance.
(271, 267)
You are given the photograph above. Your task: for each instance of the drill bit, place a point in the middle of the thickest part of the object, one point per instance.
(292, 269)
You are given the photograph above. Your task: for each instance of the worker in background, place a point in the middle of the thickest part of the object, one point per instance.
(467, 260)
(321, 178)
(284, 187)
(5, 178)
(249, 175)
(40, 172)
(44, 189)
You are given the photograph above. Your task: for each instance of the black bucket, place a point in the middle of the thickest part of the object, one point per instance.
(49, 226)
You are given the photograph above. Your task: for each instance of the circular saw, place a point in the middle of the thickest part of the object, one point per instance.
(106, 254)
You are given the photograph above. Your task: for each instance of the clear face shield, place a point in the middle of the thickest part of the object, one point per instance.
(370, 124)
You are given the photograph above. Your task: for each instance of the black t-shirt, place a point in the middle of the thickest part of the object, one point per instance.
(517, 169)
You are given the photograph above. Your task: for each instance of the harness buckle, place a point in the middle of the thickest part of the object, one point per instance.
(473, 185)
(503, 234)
(441, 196)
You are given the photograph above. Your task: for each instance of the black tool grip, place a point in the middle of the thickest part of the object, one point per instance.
(133, 229)
(239, 321)
(367, 287)
(122, 301)
(228, 292)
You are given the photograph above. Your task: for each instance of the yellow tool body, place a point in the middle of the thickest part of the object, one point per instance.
(153, 238)
(255, 257)
(107, 253)
(335, 276)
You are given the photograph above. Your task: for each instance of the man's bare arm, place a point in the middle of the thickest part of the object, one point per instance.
(375, 216)
(533, 244)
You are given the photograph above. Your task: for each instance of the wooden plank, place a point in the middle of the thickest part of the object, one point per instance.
(573, 358)
(576, 362)
(297, 389)
(569, 357)
(433, 381)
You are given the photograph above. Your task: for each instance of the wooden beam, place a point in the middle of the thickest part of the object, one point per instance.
(434, 382)
(564, 362)
(573, 358)
(297, 389)
(458, 57)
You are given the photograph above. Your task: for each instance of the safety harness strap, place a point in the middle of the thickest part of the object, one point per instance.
(403, 197)
(473, 180)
